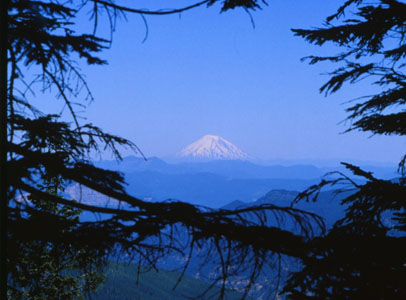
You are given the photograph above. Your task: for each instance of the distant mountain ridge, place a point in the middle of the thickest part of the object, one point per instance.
(212, 147)
(204, 189)
(214, 183)
(327, 205)
(234, 168)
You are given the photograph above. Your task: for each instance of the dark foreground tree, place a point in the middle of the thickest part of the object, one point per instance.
(41, 51)
(50, 268)
(364, 255)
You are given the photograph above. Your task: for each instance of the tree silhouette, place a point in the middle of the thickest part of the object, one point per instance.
(51, 268)
(363, 255)
(41, 50)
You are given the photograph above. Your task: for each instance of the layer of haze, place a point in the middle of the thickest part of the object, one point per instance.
(203, 72)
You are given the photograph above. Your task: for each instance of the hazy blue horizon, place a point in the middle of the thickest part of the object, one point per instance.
(208, 73)
(319, 163)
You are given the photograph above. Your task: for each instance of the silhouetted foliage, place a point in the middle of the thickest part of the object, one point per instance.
(42, 45)
(373, 39)
(363, 255)
(50, 263)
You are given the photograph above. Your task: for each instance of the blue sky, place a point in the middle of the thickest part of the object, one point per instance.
(203, 72)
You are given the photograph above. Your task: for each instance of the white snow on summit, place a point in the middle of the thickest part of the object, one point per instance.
(211, 147)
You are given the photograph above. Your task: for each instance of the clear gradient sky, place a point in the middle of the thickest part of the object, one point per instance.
(203, 72)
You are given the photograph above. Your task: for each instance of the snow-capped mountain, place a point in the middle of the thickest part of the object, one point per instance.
(212, 147)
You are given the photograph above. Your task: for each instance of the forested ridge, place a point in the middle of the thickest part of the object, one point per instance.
(123, 281)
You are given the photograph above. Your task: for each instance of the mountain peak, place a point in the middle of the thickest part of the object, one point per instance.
(212, 147)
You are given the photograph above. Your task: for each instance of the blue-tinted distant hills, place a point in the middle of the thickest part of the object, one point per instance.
(327, 205)
(205, 189)
(215, 183)
(236, 168)
(246, 169)
(229, 168)
(228, 184)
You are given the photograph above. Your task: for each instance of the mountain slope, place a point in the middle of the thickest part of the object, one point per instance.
(121, 284)
(327, 206)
